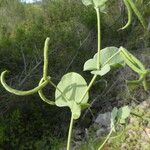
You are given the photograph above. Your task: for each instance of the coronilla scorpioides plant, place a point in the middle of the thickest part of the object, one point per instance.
(73, 91)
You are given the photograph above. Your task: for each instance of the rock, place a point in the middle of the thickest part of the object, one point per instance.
(104, 120)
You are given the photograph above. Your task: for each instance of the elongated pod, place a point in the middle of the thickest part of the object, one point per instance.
(127, 60)
(45, 67)
(42, 96)
(18, 92)
(133, 59)
(137, 12)
(129, 10)
(137, 62)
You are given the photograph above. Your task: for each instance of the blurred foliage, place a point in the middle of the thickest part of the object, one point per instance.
(72, 31)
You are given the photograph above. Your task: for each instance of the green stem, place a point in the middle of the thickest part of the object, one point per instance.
(99, 48)
(88, 88)
(99, 36)
(70, 133)
(108, 136)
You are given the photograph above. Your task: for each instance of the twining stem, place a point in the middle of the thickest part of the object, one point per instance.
(70, 133)
(108, 136)
(98, 51)
(99, 36)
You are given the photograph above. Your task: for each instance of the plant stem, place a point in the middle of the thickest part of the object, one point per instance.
(70, 133)
(99, 36)
(108, 136)
(88, 88)
(98, 57)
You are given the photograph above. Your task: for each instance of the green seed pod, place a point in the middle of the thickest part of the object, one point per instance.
(18, 92)
(42, 96)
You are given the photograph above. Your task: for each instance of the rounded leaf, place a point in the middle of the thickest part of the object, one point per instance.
(72, 86)
(104, 70)
(87, 2)
(108, 56)
(75, 109)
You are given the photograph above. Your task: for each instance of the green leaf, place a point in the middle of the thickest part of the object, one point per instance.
(75, 109)
(70, 91)
(104, 70)
(99, 3)
(90, 64)
(87, 2)
(109, 57)
(123, 114)
(96, 3)
(114, 114)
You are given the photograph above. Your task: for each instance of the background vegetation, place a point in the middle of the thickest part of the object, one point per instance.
(26, 122)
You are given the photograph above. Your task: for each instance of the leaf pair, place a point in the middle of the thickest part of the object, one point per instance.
(73, 86)
(136, 66)
(109, 58)
(131, 7)
(119, 115)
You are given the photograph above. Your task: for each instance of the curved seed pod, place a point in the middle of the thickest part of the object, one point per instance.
(129, 14)
(18, 92)
(126, 57)
(139, 64)
(127, 54)
(138, 14)
(135, 61)
(145, 84)
(45, 67)
(42, 96)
